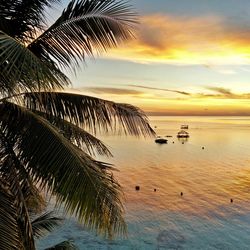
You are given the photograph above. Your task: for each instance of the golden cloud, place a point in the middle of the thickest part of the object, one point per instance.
(113, 91)
(213, 101)
(160, 95)
(191, 40)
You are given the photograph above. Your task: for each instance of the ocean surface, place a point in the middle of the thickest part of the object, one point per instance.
(204, 217)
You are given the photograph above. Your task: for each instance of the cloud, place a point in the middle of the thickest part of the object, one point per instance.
(188, 40)
(113, 91)
(222, 93)
(161, 89)
(214, 93)
(135, 93)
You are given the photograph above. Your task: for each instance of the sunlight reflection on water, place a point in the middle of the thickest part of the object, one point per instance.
(204, 217)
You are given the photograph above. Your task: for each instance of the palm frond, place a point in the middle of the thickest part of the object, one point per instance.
(33, 196)
(83, 185)
(11, 171)
(9, 164)
(9, 232)
(78, 136)
(65, 245)
(22, 71)
(23, 219)
(22, 19)
(83, 26)
(91, 113)
(45, 223)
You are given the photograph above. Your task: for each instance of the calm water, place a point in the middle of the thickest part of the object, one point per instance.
(204, 217)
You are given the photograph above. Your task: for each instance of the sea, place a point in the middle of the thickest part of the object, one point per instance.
(211, 170)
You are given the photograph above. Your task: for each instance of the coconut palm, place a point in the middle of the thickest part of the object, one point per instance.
(47, 136)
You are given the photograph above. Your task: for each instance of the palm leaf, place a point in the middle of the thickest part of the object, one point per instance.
(9, 233)
(22, 71)
(33, 196)
(91, 113)
(84, 25)
(83, 185)
(10, 164)
(22, 19)
(78, 136)
(23, 219)
(11, 171)
(65, 245)
(45, 223)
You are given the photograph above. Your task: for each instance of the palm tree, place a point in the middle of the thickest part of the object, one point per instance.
(47, 136)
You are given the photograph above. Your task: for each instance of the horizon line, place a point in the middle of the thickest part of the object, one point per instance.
(155, 114)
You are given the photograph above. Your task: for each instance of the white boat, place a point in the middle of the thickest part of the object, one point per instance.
(184, 126)
(182, 134)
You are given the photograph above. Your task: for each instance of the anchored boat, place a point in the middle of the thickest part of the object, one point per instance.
(182, 134)
(184, 126)
(161, 140)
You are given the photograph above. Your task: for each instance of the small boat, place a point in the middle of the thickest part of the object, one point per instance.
(168, 136)
(183, 134)
(184, 126)
(161, 140)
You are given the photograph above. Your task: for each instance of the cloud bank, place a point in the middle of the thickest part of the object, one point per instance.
(161, 89)
(211, 93)
(188, 40)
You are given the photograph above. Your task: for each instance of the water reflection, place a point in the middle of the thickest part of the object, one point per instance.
(170, 238)
(203, 217)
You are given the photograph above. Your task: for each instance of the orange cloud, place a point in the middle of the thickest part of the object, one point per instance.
(159, 101)
(113, 91)
(188, 40)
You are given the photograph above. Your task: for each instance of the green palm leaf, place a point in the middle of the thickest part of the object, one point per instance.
(9, 231)
(22, 71)
(23, 219)
(19, 17)
(33, 196)
(43, 135)
(91, 113)
(84, 25)
(82, 184)
(78, 136)
(45, 223)
(11, 170)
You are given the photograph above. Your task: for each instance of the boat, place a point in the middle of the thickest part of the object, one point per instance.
(161, 140)
(184, 126)
(182, 134)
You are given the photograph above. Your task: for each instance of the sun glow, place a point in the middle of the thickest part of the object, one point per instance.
(181, 65)
(180, 40)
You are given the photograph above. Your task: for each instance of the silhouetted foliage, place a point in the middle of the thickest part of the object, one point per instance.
(47, 137)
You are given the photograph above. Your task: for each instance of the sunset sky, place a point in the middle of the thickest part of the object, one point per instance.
(190, 57)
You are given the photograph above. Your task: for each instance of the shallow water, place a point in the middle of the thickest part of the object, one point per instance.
(204, 217)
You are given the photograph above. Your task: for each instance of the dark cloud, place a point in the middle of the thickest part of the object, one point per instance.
(222, 93)
(114, 91)
(217, 93)
(162, 89)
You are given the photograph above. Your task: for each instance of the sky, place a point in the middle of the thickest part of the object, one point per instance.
(189, 57)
